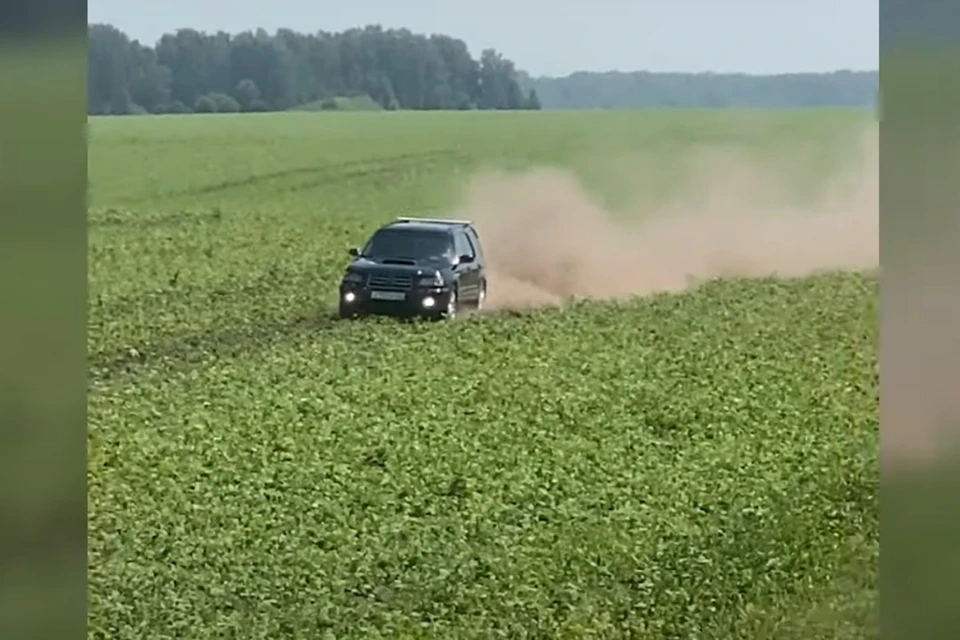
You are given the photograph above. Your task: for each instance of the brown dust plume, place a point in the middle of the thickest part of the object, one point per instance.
(548, 240)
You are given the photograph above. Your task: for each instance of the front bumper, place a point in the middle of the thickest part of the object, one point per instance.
(418, 301)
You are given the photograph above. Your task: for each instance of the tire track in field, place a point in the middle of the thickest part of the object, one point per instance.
(183, 352)
(178, 353)
(115, 218)
(192, 347)
(372, 172)
(221, 295)
(319, 174)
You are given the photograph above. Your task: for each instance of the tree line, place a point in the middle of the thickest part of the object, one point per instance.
(192, 71)
(642, 89)
(372, 67)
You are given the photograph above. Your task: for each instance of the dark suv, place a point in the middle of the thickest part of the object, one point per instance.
(416, 267)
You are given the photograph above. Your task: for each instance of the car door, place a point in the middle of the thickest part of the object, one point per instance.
(469, 272)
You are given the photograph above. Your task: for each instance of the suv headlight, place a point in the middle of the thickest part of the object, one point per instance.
(436, 280)
(353, 278)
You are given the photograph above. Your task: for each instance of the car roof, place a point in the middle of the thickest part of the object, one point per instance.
(434, 227)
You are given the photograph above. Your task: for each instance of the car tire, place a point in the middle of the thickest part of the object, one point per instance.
(453, 306)
(481, 297)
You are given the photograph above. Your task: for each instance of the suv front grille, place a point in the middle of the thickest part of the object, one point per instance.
(391, 282)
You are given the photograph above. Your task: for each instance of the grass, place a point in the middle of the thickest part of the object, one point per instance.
(697, 465)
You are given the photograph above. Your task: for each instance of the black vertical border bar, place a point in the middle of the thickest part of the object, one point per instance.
(43, 69)
(920, 317)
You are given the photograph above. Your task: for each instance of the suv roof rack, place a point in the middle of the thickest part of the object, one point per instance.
(436, 221)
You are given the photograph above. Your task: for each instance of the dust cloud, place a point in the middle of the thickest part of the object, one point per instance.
(548, 240)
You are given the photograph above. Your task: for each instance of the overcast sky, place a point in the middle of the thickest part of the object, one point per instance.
(558, 37)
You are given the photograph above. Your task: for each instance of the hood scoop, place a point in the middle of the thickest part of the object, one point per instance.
(398, 261)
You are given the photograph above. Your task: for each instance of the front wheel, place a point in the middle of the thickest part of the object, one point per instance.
(453, 306)
(347, 313)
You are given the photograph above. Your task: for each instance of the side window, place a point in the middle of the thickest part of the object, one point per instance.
(475, 249)
(462, 244)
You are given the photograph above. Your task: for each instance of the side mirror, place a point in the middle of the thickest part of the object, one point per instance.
(354, 252)
(464, 259)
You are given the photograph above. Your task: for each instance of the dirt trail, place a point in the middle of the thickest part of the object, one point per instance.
(548, 240)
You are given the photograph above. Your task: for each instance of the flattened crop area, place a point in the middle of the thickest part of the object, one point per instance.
(693, 465)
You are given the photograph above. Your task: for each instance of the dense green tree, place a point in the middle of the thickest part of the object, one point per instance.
(255, 71)
(149, 80)
(224, 103)
(641, 89)
(205, 104)
(199, 64)
(172, 107)
(532, 101)
(258, 71)
(246, 93)
(109, 76)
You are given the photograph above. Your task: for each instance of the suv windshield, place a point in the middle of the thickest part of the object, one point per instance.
(409, 245)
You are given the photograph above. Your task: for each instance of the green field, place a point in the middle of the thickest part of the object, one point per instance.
(699, 465)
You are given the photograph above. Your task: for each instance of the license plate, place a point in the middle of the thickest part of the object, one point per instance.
(395, 296)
